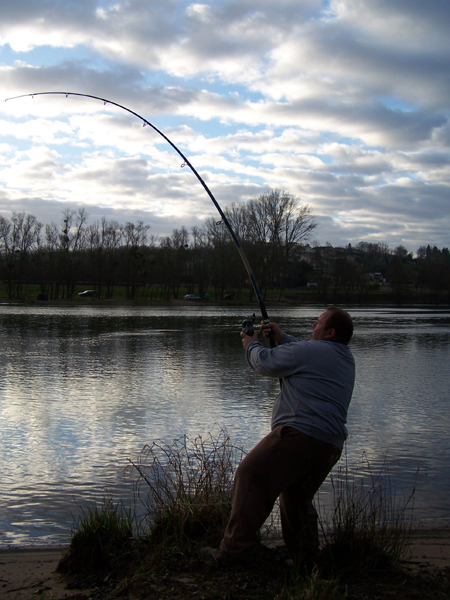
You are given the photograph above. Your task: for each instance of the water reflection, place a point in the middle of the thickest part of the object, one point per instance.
(82, 390)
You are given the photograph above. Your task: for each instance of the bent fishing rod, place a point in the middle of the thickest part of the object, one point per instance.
(247, 325)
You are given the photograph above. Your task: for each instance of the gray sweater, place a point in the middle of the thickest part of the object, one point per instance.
(318, 379)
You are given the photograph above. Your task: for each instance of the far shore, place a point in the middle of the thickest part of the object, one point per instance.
(284, 302)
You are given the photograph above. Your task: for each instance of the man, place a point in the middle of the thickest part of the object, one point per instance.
(308, 433)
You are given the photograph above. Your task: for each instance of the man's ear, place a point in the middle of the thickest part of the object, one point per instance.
(329, 334)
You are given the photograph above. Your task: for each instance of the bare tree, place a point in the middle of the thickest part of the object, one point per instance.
(18, 237)
(174, 260)
(71, 240)
(135, 237)
(111, 238)
(226, 270)
(200, 260)
(272, 225)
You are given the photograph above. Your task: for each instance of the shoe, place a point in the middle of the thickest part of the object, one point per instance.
(212, 555)
(289, 563)
(219, 557)
(305, 567)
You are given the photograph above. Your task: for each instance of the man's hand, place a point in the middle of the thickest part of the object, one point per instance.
(268, 328)
(248, 339)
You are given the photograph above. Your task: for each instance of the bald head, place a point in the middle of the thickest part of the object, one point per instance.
(342, 323)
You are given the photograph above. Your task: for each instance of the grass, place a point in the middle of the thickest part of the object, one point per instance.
(184, 489)
(312, 587)
(101, 540)
(384, 295)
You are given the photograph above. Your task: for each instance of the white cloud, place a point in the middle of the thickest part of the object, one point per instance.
(343, 103)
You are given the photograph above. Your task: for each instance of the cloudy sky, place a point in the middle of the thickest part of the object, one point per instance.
(343, 103)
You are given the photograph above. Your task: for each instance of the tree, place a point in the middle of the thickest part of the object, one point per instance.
(272, 226)
(18, 237)
(135, 238)
(70, 241)
(174, 255)
(226, 269)
(200, 260)
(433, 267)
(348, 275)
(111, 238)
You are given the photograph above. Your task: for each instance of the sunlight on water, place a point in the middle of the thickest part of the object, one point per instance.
(83, 389)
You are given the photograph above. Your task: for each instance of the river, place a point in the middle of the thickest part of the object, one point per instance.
(83, 389)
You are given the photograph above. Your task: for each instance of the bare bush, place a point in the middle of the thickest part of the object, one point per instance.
(186, 487)
(369, 526)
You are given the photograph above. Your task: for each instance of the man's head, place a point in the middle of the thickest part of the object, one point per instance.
(334, 324)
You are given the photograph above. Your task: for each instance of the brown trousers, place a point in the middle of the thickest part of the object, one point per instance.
(286, 464)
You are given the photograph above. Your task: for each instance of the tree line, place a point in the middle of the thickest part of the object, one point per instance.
(107, 254)
(358, 273)
(273, 229)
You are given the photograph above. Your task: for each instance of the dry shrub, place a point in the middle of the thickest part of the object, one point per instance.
(186, 486)
(370, 526)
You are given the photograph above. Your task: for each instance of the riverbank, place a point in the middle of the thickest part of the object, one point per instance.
(293, 298)
(31, 572)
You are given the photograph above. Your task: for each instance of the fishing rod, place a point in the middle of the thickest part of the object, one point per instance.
(247, 325)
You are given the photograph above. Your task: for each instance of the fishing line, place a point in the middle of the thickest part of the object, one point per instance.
(185, 162)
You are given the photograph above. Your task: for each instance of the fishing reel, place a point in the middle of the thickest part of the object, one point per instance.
(247, 325)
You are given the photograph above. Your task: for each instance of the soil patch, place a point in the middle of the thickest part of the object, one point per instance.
(25, 574)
